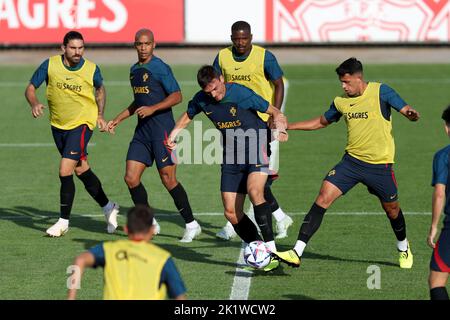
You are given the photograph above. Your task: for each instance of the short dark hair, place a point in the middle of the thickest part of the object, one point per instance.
(139, 219)
(72, 35)
(350, 66)
(446, 115)
(206, 74)
(241, 25)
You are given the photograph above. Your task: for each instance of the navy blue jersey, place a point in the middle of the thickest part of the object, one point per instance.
(272, 69)
(152, 83)
(169, 274)
(41, 74)
(389, 98)
(440, 175)
(244, 134)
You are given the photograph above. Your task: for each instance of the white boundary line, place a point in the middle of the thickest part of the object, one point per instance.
(119, 83)
(242, 279)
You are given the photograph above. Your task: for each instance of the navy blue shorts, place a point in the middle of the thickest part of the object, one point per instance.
(440, 259)
(148, 151)
(234, 176)
(72, 144)
(379, 178)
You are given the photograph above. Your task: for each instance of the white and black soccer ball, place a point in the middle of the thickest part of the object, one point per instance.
(257, 254)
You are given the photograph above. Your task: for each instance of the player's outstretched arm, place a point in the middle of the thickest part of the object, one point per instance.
(86, 259)
(112, 124)
(308, 125)
(171, 100)
(182, 123)
(37, 108)
(410, 113)
(438, 202)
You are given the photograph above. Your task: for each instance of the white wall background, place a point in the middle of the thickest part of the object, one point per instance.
(210, 21)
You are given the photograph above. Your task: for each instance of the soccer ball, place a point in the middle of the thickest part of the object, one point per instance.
(257, 254)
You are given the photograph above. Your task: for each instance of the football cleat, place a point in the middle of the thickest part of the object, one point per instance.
(289, 257)
(226, 233)
(58, 229)
(157, 229)
(405, 258)
(282, 227)
(111, 217)
(191, 233)
(273, 264)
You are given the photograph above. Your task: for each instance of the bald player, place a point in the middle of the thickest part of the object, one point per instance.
(155, 91)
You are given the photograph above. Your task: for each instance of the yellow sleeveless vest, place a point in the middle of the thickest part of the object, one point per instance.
(70, 95)
(133, 270)
(369, 134)
(249, 73)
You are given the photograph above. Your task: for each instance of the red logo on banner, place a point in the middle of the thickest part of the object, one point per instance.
(105, 21)
(353, 21)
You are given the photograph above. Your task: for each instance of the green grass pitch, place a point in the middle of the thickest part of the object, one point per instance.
(335, 262)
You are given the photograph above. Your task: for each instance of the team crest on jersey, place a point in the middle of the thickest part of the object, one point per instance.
(332, 173)
(145, 77)
(233, 111)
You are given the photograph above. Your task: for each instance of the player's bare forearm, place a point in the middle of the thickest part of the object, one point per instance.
(37, 108)
(126, 113)
(30, 95)
(86, 259)
(100, 98)
(309, 125)
(181, 124)
(410, 113)
(438, 202)
(279, 93)
(170, 101)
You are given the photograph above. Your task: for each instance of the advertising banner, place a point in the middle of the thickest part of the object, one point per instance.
(100, 21)
(357, 20)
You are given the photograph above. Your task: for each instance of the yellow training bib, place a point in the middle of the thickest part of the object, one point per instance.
(70, 95)
(249, 73)
(369, 134)
(133, 270)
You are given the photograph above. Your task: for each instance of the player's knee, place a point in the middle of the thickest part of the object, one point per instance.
(324, 200)
(392, 210)
(168, 180)
(230, 215)
(256, 195)
(131, 180)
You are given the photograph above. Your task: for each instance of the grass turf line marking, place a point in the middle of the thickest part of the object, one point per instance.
(242, 279)
(118, 83)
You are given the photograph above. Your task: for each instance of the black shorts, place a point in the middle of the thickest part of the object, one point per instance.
(379, 178)
(147, 152)
(440, 259)
(234, 176)
(72, 144)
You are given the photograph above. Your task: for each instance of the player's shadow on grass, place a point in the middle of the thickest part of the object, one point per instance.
(32, 218)
(29, 217)
(279, 272)
(311, 255)
(318, 256)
